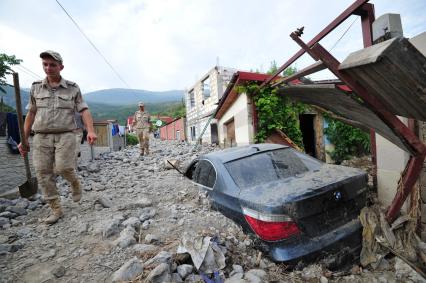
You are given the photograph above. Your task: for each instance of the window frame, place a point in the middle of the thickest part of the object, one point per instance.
(206, 82)
(191, 99)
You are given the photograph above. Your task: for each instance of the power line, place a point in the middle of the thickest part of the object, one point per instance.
(24, 72)
(93, 45)
(28, 71)
(343, 34)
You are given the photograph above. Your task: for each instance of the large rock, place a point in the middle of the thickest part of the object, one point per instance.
(4, 203)
(312, 271)
(133, 222)
(160, 274)
(93, 167)
(129, 271)
(17, 210)
(22, 202)
(34, 204)
(255, 276)
(104, 201)
(161, 257)
(176, 278)
(150, 239)
(147, 213)
(4, 221)
(5, 248)
(127, 237)
(8, 214)
(112, 227)
(184, 270)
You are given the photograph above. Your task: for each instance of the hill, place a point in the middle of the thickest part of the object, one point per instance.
(9, 97)
(114, 96)
(120, 96)
(105, 111)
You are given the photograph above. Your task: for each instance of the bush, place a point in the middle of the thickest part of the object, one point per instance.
(131, 139)
(348, 141)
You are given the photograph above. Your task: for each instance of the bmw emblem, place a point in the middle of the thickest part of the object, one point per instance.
(337, 195)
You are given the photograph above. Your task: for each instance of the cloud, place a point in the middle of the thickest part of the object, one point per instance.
(168, 44)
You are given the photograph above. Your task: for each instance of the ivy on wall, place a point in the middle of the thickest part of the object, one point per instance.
(275, 112)
(278, 112)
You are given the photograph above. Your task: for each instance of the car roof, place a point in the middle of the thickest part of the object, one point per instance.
(238, 152)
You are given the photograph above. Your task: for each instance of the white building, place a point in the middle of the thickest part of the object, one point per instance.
(201, 102)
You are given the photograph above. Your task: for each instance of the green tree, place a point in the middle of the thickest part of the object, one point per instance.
(5, 62)
(6, 108)
(348, 141)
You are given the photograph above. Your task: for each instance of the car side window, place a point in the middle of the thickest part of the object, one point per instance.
(191, 170)
(205, 174)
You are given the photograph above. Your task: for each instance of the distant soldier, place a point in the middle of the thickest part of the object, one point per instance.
(142, 124)
(53, 102)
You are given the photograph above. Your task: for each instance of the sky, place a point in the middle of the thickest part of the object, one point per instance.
(161, 45)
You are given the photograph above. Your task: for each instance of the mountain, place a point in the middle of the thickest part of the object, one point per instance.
(121, 112)
(9, 97)
(102, 101)
(120, 96)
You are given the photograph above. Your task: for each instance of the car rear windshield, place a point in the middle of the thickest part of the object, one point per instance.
(270, 166)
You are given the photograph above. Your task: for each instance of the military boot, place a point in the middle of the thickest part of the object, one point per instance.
(56, 213)
(76, 191)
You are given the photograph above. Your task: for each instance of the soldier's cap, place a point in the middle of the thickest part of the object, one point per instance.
(141, 104)
(50, 53)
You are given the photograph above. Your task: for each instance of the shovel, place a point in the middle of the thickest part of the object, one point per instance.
(30, 187)
(92, 152)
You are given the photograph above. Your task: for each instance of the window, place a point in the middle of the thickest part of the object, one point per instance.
(270, 166)
(205, 86)
(191, 99)
(193, 133)
(205, 174)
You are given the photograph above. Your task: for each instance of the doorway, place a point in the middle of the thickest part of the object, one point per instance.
(308, 133)
(230, 133)
(214, 133)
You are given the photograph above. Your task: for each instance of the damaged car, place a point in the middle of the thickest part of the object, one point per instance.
(298, 208)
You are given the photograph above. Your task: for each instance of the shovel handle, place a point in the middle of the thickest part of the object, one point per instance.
(21, 120)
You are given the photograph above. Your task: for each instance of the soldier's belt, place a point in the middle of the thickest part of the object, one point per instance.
(53, 132)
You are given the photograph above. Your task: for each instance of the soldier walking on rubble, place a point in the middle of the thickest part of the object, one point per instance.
(142, 123)
(53, 103)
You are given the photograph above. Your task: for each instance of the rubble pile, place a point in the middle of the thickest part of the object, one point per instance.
(141, 221)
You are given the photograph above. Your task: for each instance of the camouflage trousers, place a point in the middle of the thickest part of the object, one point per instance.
(54, 154)
(143, 137)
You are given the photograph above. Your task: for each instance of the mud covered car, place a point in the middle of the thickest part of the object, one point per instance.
(298, 207)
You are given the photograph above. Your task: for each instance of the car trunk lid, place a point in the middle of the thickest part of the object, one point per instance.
(318, 201)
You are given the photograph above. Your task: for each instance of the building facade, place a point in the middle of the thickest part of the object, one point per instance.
(237, 119)
(201, 103)
(175, 130)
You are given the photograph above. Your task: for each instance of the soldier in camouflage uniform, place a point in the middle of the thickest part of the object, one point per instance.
(142, 123)
(53, 103)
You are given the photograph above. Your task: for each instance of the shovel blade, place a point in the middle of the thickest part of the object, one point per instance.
(29, 188)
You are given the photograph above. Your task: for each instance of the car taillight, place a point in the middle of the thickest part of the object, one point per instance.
(271, 227)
